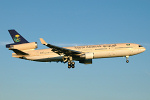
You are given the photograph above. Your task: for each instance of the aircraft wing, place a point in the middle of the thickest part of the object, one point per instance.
(61, 50)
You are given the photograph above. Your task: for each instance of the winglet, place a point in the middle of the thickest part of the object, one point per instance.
(42, 41)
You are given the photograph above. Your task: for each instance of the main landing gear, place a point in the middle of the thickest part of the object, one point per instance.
(69, 59)
(127, 61)
(71, 64)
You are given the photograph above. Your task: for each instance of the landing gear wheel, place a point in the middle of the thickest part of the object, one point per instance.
(69, 65)
(127, 61)
(73, 64)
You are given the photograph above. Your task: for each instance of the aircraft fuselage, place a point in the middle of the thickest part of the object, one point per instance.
(84, 54)
(99, 51)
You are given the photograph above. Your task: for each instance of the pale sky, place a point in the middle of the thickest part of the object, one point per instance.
(76, 22)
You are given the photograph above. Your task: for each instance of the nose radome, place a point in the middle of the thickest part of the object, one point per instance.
(143, 49)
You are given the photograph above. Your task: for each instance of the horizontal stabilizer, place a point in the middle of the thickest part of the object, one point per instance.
(19, 52)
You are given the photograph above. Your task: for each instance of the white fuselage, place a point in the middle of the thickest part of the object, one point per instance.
(98, 51)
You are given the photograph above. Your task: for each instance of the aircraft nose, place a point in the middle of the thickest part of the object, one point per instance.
(143, 49)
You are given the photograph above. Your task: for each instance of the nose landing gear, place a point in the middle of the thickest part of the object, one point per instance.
(127, 61)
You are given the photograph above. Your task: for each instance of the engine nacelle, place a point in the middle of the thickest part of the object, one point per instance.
(25, 46)
(88, 55)
(86, 61)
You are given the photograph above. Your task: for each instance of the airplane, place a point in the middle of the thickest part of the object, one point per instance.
(84, 54)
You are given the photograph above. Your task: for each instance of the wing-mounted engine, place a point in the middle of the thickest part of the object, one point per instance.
(25, 46)
(86, 61)
(88, 55)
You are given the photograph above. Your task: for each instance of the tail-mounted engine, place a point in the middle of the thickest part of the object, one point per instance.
(25, 46)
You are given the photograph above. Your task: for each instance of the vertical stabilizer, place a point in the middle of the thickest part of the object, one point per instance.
(17, 38)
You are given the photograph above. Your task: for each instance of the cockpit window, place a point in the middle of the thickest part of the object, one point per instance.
(140, 46)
